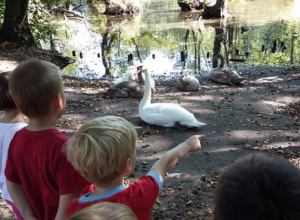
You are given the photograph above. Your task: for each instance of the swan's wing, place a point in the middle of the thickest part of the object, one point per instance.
(165, 114)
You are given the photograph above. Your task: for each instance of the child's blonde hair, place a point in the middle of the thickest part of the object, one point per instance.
(99, 150)
(34, 84)
(104, 211)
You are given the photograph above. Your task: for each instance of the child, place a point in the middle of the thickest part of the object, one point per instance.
(103, 151)
(258, 187)
(10, 123)
(104, 211)
(40, 180)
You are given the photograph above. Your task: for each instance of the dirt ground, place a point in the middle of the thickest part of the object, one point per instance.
(262, 114)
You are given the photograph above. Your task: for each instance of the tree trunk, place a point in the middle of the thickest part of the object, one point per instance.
(103, 53)
(218, 10)
(107, 42)
(218, 59)
(138, 53)
(15, 26)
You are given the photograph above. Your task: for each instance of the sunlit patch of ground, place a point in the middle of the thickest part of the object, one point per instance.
(7, 65)
(6, 212)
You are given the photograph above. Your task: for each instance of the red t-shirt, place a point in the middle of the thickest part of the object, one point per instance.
(37, 161)
(139, 196)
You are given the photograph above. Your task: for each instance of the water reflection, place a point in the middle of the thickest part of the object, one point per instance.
(261, 12)
(264, 32)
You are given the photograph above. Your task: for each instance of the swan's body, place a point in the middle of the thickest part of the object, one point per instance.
(130, 75)
(130, 88)
(164, 114)
(126, 89)
(188, 83)
(226, 76)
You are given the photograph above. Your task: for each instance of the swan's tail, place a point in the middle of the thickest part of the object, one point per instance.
(194, 123)
(199, 124)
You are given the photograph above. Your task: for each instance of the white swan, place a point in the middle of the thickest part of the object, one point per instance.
(188, 82)
(165, 114)
(129, 75)
(130, 88)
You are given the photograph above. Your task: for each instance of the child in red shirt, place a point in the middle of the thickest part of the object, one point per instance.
(40, 180)
(103, 151)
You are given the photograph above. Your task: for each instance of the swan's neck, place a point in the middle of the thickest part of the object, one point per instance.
(147, 91)
(141, 78)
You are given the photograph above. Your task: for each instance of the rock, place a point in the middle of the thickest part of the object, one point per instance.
(189, 5)
(115, 7)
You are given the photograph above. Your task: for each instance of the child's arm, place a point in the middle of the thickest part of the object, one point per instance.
(18, 196)
(64, 201)
(171, 157)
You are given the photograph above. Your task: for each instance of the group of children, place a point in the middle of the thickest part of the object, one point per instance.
(46, 176)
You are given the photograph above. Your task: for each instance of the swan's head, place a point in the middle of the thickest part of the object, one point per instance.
(235, 77)
(130, 74)
(237, 80)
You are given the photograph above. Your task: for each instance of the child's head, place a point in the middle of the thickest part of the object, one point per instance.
(6, 101)
(34, 85)
(104, 211)
(258, 187)
(103, 149)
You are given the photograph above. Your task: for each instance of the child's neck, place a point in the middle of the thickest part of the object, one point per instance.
(12, 116)
(101, 190)
(42, 123)
(45, 122)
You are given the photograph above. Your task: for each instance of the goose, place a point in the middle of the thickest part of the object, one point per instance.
(165, 114)
(188, 83)
(226, 76)
(130, 88)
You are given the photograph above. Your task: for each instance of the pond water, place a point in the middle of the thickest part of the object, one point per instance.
(166, 41)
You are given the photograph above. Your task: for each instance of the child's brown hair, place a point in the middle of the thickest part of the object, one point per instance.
(34, 84)
(258, 187)
(6, 101)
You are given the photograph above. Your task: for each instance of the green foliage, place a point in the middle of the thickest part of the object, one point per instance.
(51, 2)
(2, 9)
(276, 33)
(39, 23)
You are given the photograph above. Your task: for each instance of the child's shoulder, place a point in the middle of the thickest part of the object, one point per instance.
(150, 180)
(11, 128)
(13, 125)
(58, 134)
(53, 139)
(52, 133)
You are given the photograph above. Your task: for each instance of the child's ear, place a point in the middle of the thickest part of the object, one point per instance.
(59, 102)
(128, 163)
(128, 167)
